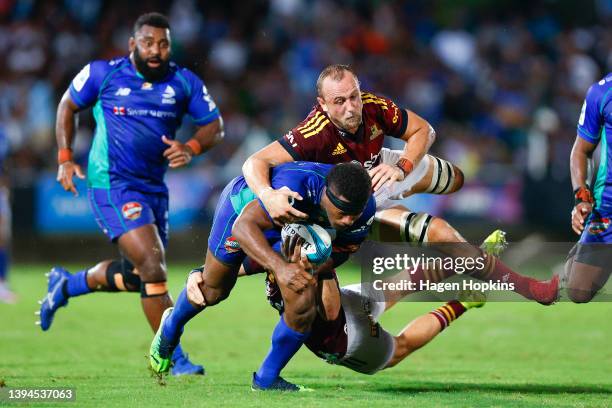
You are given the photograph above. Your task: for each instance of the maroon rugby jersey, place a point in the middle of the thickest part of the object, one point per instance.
(317, 139)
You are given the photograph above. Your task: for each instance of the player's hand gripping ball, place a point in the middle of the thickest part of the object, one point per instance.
(317, 245)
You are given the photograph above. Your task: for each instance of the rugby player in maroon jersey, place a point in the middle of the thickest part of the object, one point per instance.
(347, 124)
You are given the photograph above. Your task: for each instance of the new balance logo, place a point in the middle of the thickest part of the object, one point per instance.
(123, 92)
(339, 150)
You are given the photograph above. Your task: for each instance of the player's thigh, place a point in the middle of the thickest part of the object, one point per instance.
(143, 247)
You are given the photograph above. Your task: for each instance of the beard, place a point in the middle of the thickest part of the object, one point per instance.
(151, 74)
(352, 123)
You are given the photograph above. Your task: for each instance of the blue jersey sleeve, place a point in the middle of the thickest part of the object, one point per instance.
(591, 119)
(201, 106)
(85, 87)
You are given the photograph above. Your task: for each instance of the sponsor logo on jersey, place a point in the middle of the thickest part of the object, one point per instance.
(375, 132)
(291, 138)
(231, 245)
(599, 225)
(147, 86)
(123, 92)
(131, 211)
(339, 150)
(119, 110)
(368, 164)
(168, 96)
(150, 112)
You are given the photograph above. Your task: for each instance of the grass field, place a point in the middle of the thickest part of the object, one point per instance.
(507, 354)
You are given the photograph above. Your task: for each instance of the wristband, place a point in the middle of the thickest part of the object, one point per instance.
(583, 195)
(195, 146)
(405, 165)
(64, 155)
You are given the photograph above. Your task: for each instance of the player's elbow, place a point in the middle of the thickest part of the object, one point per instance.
(431, 134)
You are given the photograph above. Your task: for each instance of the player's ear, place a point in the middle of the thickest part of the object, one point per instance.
(132, 44)
(322, 103)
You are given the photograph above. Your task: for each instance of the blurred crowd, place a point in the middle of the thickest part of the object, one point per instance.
(501, 81)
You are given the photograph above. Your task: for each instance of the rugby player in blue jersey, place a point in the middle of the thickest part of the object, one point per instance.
(138, 103)
(336, 197)
(588, 268)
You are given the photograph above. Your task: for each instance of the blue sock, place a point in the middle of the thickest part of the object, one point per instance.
(77, 284)
(178, 353)
(285, 343)
(182, 313)
(3, 263)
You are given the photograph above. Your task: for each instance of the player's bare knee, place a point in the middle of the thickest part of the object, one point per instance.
(152, 269)
(580, 295)
(441, 231)
(214, 295)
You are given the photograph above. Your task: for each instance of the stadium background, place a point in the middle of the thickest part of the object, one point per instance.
(501, 81)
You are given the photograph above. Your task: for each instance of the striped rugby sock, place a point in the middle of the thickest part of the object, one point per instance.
(448, 313)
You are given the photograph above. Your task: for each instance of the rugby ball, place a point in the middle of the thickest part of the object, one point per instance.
(317, 245)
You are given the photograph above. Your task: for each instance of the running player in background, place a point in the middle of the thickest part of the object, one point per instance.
(6, 295)
(347, 124)
(138, 103)
(588, 267)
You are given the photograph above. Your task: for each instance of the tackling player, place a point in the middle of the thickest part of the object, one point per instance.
(138, 103)
(349, 125)
(346, 331)
(588, 268)
(335, 196)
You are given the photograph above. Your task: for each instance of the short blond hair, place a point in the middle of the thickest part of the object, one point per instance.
(336, 72)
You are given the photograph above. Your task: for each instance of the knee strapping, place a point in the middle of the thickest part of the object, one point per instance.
(120, 276)
(153, 289)
(443, 178)
(414, 227)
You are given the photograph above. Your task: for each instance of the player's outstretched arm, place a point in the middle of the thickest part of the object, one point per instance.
(206, 137)
(248, 231)
(256, 170)
(419, 136)
(64, 134)
(580, 169)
